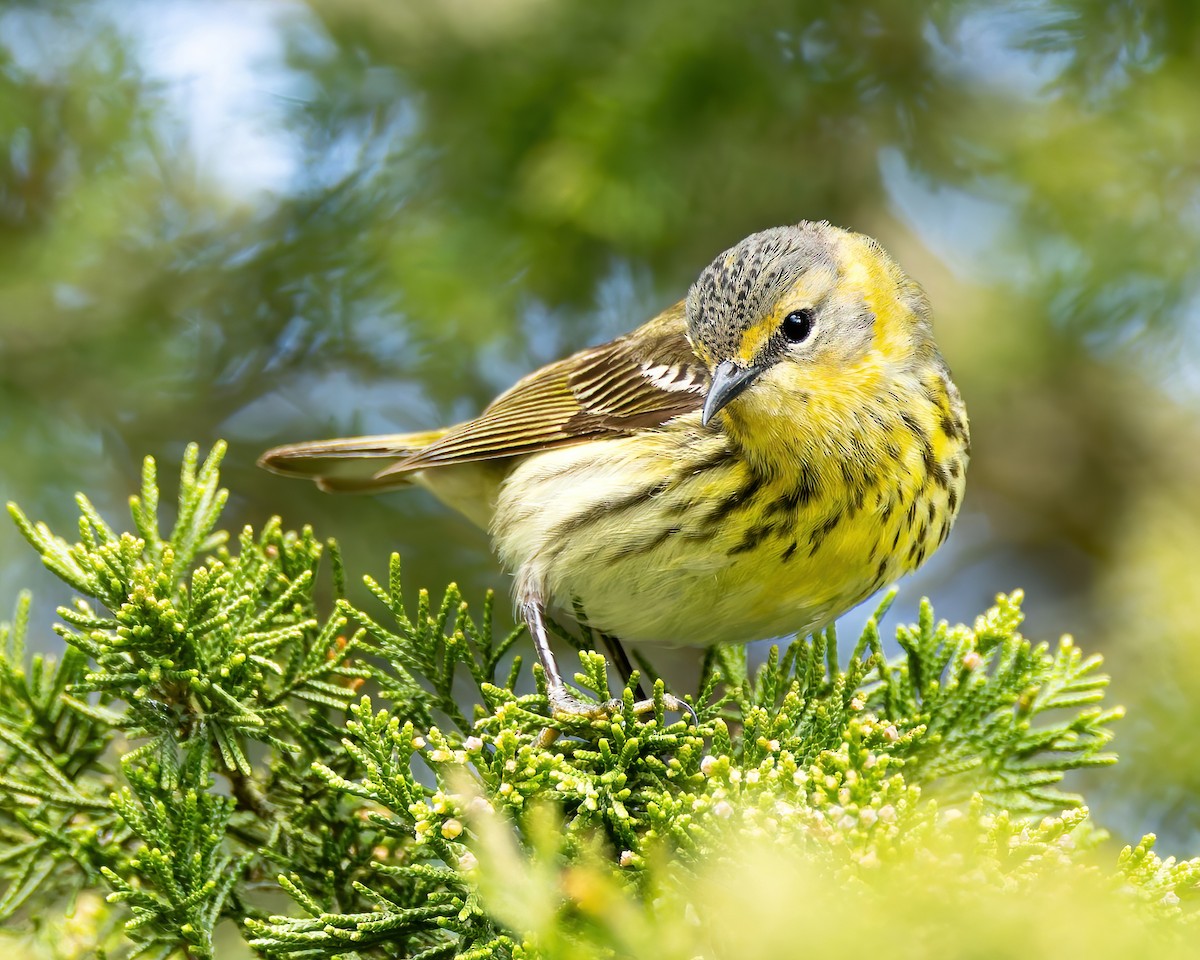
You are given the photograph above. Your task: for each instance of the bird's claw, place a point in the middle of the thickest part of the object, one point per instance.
(670, 702)
(563, 704)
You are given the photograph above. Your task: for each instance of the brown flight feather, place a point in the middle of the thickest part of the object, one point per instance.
(637, 381)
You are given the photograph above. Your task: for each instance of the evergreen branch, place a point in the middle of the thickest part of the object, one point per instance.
(423, 830)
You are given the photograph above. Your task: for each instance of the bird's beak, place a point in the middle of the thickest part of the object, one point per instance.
(728, 381)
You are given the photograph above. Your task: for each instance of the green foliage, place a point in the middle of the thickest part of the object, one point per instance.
(180, 874)
(204, 659)
(373, 215)
(53, 771)
(202, 749)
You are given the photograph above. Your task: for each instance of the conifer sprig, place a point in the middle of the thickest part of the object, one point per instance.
(196, 638)
(996, 714)
(202, 747)
(180, 874)
(178, 646)
(429, 651)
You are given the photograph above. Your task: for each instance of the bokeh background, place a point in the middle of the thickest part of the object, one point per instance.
(271, 220)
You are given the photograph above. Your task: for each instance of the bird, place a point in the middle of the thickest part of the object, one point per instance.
(750, 463)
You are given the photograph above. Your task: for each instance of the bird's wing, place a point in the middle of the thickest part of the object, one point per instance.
(347, 464)
(640, 380)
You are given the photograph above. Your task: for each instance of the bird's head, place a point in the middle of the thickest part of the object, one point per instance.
(801, 311)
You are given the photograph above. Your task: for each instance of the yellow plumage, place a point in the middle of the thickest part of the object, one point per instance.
(751, 462)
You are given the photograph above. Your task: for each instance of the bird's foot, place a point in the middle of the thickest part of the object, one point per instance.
(564, 705)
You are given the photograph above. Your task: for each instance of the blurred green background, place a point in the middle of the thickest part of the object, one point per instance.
(271, 221)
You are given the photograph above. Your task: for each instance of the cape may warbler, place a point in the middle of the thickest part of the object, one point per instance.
(751, 462)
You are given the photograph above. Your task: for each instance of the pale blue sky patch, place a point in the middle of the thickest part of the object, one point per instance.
(223, 67)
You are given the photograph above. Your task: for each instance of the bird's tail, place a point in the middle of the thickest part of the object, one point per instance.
(351, 464)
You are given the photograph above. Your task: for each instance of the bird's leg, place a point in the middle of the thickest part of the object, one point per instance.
(563, 702)
(556, 690)
(621, 661)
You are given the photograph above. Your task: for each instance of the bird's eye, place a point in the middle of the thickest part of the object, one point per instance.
(798, 325)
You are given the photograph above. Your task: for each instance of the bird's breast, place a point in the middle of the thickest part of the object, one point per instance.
(675, 536)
